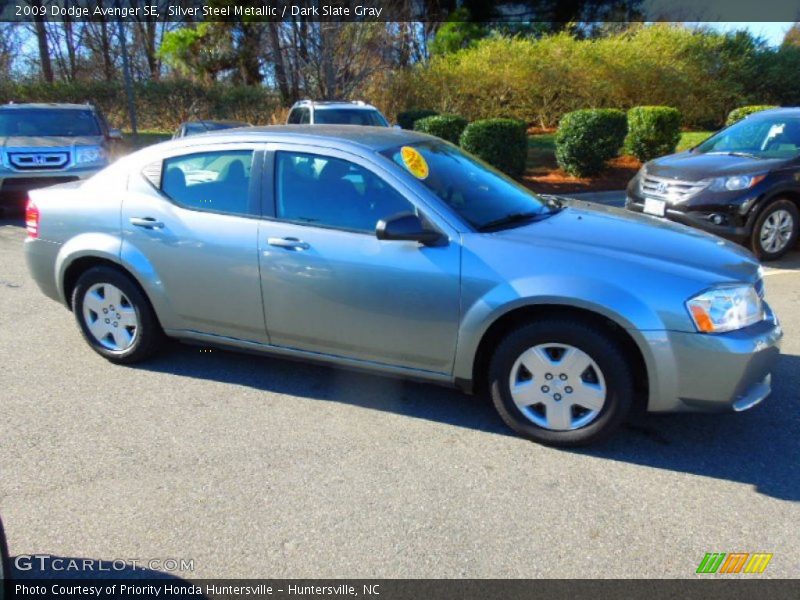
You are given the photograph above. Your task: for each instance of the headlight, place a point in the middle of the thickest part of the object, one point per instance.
(88, 155)
(734, 183)
(725, 308)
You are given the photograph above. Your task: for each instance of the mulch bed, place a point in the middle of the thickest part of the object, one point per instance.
(555, 181)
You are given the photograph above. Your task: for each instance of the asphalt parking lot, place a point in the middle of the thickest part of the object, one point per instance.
(259, 467)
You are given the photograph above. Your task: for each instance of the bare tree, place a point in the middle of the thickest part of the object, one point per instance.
(41, 37)
(10, 44)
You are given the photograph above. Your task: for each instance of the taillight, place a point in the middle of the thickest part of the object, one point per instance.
(32, 219)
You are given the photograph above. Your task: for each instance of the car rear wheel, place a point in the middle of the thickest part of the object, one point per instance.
(561, 383)
(775, 230)
(115, 317)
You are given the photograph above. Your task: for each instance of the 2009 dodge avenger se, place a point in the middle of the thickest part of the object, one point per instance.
(397, 252)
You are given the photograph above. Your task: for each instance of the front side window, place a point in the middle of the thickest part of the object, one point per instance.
(330, 192)
(212, 181)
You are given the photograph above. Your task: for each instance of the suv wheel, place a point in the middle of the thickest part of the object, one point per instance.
(775, 230)
(115, 318)
(561, 383)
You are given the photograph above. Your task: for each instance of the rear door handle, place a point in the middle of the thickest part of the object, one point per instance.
(146, 222)
(288, 243)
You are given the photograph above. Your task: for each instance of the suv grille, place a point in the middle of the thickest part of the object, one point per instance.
(38, 160)
(671, 190)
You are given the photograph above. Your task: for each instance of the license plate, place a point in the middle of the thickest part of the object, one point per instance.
(655, 207)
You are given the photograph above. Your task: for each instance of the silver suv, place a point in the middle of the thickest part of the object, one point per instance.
(45, 144)
(309, 112)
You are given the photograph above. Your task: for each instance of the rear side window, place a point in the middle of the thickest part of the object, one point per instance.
(210, 181)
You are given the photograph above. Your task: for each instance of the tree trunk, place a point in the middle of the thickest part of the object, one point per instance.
(44, 46)
(277, 61)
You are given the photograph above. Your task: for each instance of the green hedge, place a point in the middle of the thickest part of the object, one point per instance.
(407, 118)
(503, 143)
(652, 131)
(737, 114)
(447, 127)
(161, 105)
(586, 139)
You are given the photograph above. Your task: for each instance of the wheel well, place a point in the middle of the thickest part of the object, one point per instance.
(79, 266)
(520, 316)
(792, 195)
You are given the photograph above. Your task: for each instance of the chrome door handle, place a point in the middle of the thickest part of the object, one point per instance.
(288, 243)
(146, 222)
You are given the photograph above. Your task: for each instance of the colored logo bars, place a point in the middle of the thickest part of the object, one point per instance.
(735, 562)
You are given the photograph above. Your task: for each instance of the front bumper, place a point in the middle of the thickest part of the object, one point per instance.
(698, 211)
(712, 373)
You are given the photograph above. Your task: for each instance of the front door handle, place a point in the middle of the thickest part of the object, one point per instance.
(146, 222)
(289, 243)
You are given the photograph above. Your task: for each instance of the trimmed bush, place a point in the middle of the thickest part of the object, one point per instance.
(652, 131)
(503, 143)
(407, 118)
(586, 139)
(447, 127)
(737, 114)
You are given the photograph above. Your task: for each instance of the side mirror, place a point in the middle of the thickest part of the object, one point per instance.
(407, 227)
(114, 134)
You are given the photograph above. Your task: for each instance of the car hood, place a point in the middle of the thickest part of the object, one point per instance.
(27, 142)
(583, 228)
(692, 166)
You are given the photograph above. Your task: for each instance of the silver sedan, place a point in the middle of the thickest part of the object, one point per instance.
(396, 252)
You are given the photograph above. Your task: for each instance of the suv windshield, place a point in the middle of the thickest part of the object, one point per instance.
(349, 116)
(483, 196)
(48, 122)
(760, 137)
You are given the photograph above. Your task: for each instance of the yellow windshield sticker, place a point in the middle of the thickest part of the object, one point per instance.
(414, 162)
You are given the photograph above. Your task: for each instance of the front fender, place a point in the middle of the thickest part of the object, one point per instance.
(612, 301)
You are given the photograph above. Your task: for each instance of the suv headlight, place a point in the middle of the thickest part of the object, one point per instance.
(725, 308)
(735, 182)
(90, 155)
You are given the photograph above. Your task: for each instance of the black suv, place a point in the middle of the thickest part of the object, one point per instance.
(742, 183)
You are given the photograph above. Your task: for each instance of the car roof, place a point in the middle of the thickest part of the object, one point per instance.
(325, 104)
(789, 111)
(46, 105)
(215, 122)
(339, 136)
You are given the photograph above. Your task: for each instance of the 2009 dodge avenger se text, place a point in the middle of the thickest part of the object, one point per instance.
(397, 252)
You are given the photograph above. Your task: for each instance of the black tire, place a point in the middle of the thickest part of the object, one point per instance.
(148, 336)
(770, 209)
(598, 345)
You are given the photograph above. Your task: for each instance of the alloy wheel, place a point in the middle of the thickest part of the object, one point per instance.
(776, 231)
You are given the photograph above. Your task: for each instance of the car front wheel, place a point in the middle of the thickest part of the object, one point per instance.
(775, 230)
(561, 383)
(114, 316)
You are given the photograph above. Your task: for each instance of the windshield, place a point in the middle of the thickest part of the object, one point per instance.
(764, 137)
(349, 116)
(48, 122)
(480, 194)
